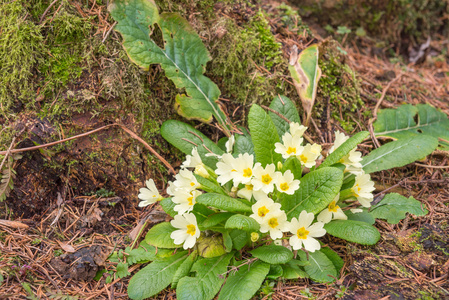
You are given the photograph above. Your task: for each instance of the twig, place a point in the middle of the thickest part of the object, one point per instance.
(109, 32)
(132, 134)
(432, 167)
(7, 153)
(46, 11)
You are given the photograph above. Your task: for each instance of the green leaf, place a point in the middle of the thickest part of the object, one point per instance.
(284, 106)
(399, 153)
(159, 236)
(292, 270)
(183, 58)
(393, 208)
(142, 254)
(344, 149)
(243, 144)
(209, 186)
(239, 238)
(244, 283)
(168, 206)
(273, 254)
(210, 246)
(155, 277)
(321, 268)
(334, 258)
(264, 135)
(185, 138)
(242, 222)
(276, 271)
(208, 280)
(215, 219)
(294, 165)
(400, 123)
(361, 216)
(223, 202)
(122, 270)
(227, 240)
(184, 269)
(305, 74)
(316, 190)
(353, 231)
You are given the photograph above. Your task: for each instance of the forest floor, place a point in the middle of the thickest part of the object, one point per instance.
(74, 203)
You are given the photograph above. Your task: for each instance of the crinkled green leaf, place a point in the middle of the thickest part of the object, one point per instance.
(292, 270)
(344, 149)
(143, 253)
(273, 254)
(210, 275)
(208, 185)
(305, 74)
(168, 206)
(215, 219)
(399, 153)
(240, 238)
(183, 58)
(334, 258)
(201, 212)
(321, 268)
(284, 106)
(245, 282)
(155, 277)
(393, 208)
(353, 231)
(159, 236)
(294, 165)
(243, 144)
(361, 216)
(400, 123)
(242, 222)
(316, 190)
(185, 138)
(184, 269)
(122, 270)
(276, 271)
(223, 202)
(264, 135)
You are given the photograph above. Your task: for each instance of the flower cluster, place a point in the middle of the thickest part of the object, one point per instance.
(263, 186)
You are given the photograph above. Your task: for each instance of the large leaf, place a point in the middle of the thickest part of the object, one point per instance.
(321, 268)
(399, 153)
(209, 186)
(183, 57)
(155, 277)
(400, 123)
(243, 144)
(208, 280)
(242, 222)
(264, 135)
(292, 270)
(285, 107)
(273, 254)
(185, 138)
(316, 190)
(168, 206)
(215, 219)
(334, 258)
(305, 74)
(353, 231)
(393, 208)
(344, 149)
(223, 202)
(244, 283)
(240, 238)
(159, 236)
(184, 269)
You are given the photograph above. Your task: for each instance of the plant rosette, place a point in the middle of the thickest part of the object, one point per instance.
(258, 208)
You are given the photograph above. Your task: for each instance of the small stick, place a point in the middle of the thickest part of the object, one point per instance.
(7, 153)
(109, 32)
(46, 11)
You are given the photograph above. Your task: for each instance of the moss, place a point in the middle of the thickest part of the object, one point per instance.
(339, 84)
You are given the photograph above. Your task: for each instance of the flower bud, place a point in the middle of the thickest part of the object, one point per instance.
(254, 237)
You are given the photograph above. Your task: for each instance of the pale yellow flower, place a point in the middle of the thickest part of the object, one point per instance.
(276, 223)
(332, 212)
(185, 200)
(309, 155)
(304, 232)
(149, 195)
(363, 188)
(264, 178)
(286, 183)
(291, 146)
(188, 230)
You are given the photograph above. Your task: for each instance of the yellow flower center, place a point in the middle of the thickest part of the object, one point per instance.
(247, 172)
(284, 186)
(262, 212)
(192, 183)
(233, 170)
(249, 187)
(333, 207)
(356, 190)
(291, 150)
(190, 200)
(273, 222)
(266, 179)
(191, 229)
(303, 158)
(302, 233)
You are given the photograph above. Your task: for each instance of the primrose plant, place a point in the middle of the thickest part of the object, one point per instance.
(259, 206)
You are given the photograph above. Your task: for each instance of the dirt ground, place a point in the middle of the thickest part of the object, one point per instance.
(75, 203)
